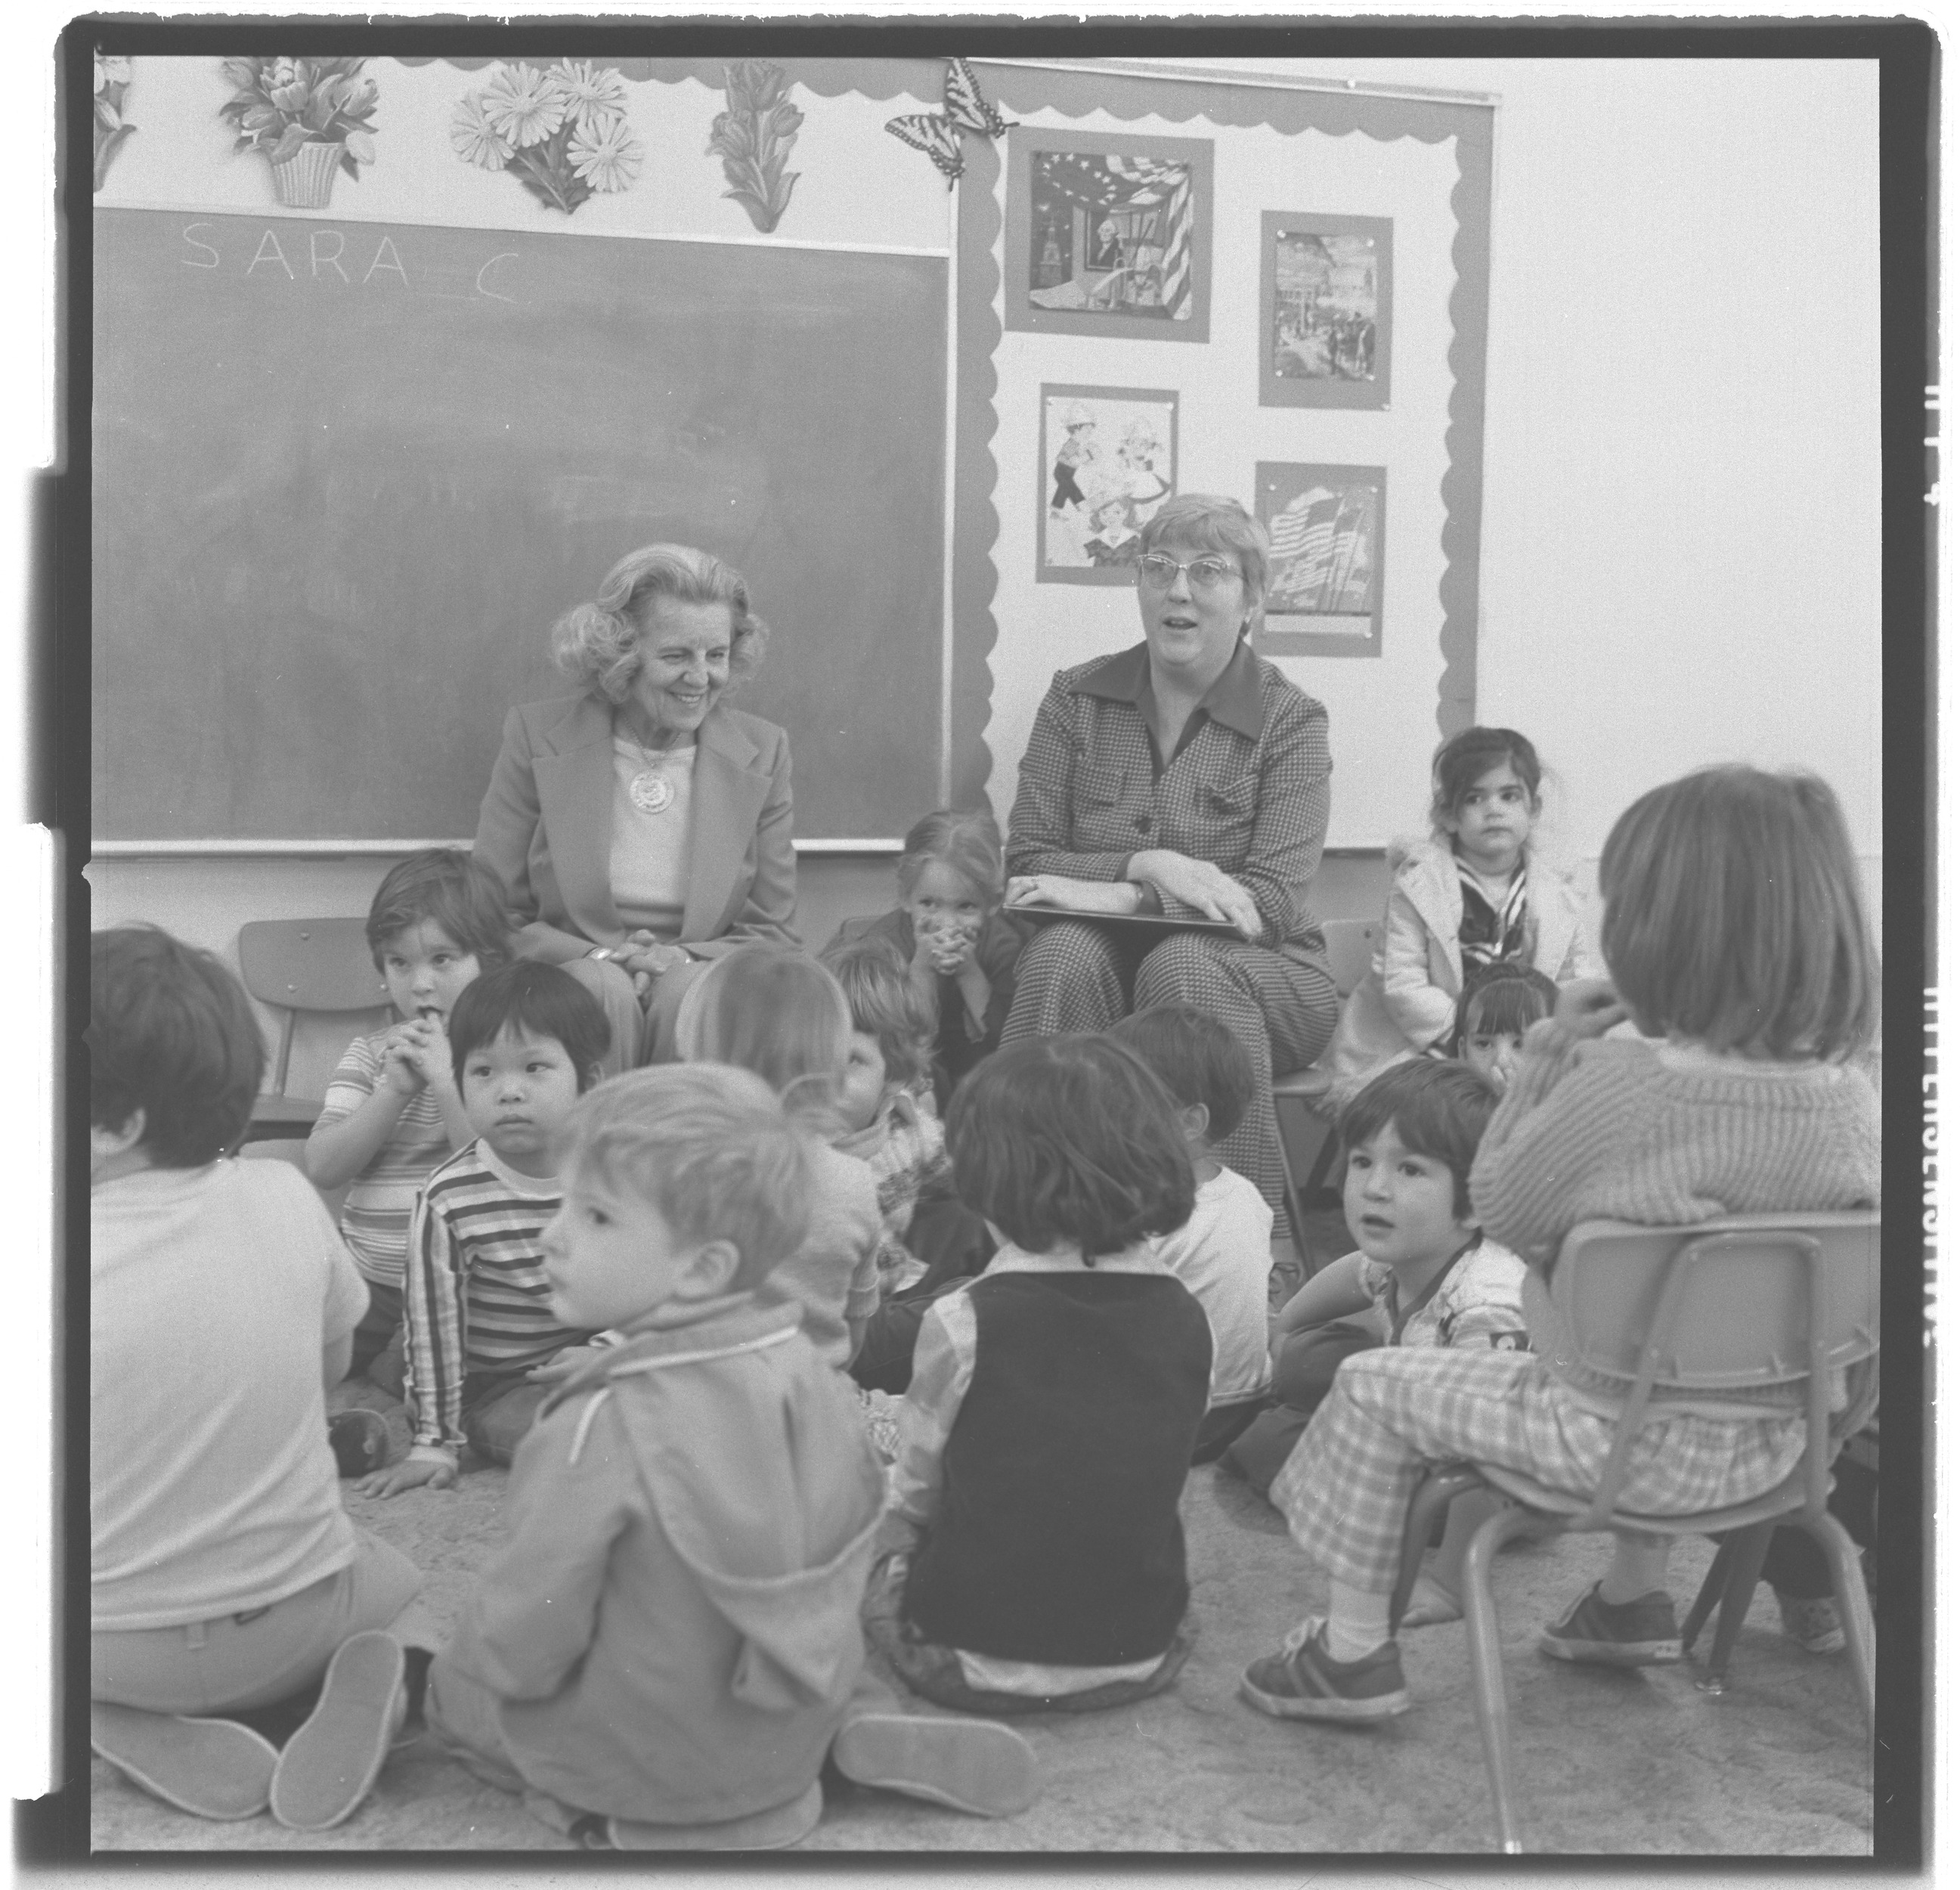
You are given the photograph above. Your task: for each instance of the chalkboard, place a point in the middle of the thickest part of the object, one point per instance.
(346, 475)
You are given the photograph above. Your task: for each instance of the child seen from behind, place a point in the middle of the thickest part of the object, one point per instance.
(527, 1042)
(1224, 1252)
(1469, 897)
(393, 1111)
(668, 1645)
(949, 929)
(1736, 937)
(225, 1577)
(772, 1010)
(1033, 1558)
(1422, 1274)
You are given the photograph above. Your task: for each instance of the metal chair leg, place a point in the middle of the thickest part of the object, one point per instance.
(1437, 1489)
(1739, 1589)
(1487, 1665)
(1710, 1593)
(1854, 1607)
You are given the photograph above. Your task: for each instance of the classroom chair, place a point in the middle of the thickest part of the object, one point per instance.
(1750, 1299)
(304, 965)
(1351, 945)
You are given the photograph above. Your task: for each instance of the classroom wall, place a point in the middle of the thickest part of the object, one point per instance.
(1681, 535)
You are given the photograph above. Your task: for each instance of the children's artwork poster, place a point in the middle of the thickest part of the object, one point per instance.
(1109, 235)
(1324, 576)
(1324, 305)
(1107, 461)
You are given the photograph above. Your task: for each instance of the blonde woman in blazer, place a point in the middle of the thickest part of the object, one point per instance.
(645, 792)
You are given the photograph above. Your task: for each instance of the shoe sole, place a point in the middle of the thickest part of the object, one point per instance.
(968, 1765)
(211, 1768)
(331, 1761)
(761, 1831)
(1611, 1653)
(1285, 1706)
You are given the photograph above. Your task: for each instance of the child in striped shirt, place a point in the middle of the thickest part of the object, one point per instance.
(527, 1042)
(393, 1111)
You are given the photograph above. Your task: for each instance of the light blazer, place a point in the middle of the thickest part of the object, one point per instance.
(1408, 1001)
(546, 827)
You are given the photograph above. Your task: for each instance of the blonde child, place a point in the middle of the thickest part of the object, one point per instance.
(1033, 1558)
(1736, 937)
(393, 1111)
(950, 929)
(667, 1646)
(1224, 1252)
(772, 1010)
(225, 1575)
(1471, 897)
(1422, 1274)
(526, 1041)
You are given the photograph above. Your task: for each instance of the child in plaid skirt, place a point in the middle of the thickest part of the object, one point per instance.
(1735, 934)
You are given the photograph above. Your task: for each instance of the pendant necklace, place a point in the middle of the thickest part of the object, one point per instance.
(649, 790)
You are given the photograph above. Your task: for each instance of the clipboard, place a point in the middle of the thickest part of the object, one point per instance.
(1137, 925)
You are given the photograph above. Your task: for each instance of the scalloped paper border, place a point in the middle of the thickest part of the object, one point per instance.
(977, 524)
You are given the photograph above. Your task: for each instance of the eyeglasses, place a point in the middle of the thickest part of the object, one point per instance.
(1159, 573)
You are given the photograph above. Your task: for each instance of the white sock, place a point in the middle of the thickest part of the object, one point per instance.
(1357, 1620)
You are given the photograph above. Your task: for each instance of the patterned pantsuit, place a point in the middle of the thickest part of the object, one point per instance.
(1393, 1413)
(1078, 976)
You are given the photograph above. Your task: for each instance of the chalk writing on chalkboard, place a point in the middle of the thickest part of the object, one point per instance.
(346, 476)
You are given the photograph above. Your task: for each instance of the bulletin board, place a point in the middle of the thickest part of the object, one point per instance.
(1302, 276)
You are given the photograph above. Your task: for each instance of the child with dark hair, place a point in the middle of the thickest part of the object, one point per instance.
(225, 1575)
(668, 1645)
(1422, 1274)
(527, 1042)
(1492, 1016)
(392, 1110)
(1224, 1252)
(959, 948)
(1471, 897)
(1033, 1555)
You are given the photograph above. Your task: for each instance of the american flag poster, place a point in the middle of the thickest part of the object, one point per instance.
(1325, 523)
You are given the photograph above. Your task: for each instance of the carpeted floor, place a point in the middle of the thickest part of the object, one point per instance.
(1639, 1763)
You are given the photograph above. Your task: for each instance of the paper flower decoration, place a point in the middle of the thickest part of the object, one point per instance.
(281, 105)
(561, 132)
(752, 138)
(112, 89)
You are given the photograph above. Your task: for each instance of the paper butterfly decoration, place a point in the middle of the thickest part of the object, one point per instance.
(937, 133)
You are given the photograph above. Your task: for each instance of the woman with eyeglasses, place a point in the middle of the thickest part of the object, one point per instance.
(1184, 777)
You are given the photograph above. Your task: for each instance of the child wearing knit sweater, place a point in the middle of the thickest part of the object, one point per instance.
(1736, 937)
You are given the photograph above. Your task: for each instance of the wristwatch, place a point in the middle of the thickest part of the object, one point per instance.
(601, 952)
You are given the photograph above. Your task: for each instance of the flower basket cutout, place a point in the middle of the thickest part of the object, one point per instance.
(308, 118)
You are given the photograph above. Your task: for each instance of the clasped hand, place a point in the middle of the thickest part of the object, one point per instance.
(1198, 883)
(415, 1052)
(645, 958)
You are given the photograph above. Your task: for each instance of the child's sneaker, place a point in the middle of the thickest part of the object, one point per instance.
(971, 1765)
(1640, 1633)
(211, 1768)
(359, 1438)
(1813, 1625)
(1304, 1681)
(330, 1763)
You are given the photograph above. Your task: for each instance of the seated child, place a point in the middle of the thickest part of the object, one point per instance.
(1734, 929)
(224, 1575)
(1224, 1252)
(1470, 897)
(526, 1041)
(1493, 1014)
(949, 928)
(668, 1643)
(1422, 1274)
(393, 1111)
(771, 1010)
(892, 1129)
(1033, 1558)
